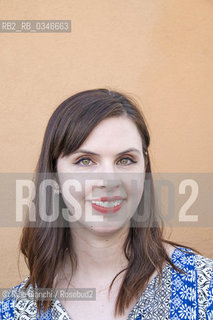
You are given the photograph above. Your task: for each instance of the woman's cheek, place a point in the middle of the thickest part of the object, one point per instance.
(135, 193)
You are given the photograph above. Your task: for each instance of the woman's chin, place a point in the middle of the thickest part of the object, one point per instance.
(104, 229)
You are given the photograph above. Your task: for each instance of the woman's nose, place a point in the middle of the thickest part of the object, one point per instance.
(109, 180)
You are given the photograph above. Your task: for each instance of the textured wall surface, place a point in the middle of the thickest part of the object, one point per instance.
(160, 51)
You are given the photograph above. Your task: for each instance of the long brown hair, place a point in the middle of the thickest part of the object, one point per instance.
(44, 246)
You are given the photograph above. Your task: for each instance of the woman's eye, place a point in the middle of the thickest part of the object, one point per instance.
(132, 161)
(85, 161)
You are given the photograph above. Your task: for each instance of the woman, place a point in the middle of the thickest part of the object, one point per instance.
(96, 143)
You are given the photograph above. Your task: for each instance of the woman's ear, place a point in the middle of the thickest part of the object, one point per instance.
(146, 159)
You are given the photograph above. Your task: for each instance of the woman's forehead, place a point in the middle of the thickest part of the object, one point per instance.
(114, 131)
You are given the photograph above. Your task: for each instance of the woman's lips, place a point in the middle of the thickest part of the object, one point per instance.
(106, 209)
(109, 198)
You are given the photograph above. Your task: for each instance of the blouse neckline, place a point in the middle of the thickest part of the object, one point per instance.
(150, 284)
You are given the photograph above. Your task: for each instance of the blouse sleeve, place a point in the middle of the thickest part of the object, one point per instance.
(209, 310)
(7, 306)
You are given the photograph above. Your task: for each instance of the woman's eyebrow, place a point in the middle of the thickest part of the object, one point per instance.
(96, 154)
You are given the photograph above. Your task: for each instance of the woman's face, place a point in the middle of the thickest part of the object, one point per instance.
(104, 166)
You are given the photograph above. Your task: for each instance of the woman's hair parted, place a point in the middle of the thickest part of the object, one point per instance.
(44, 246)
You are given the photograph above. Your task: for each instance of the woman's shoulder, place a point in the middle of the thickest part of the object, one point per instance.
(186, 257)
(194, 264)
(197, 283)
(8, 300)
(12, 293)
(18, 303)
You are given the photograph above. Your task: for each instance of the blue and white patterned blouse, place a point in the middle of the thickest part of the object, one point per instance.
(180, 297)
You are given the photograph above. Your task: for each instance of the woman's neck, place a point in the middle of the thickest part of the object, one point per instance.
(100, 257)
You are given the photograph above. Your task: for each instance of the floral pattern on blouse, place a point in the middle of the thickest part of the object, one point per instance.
(179, 297)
